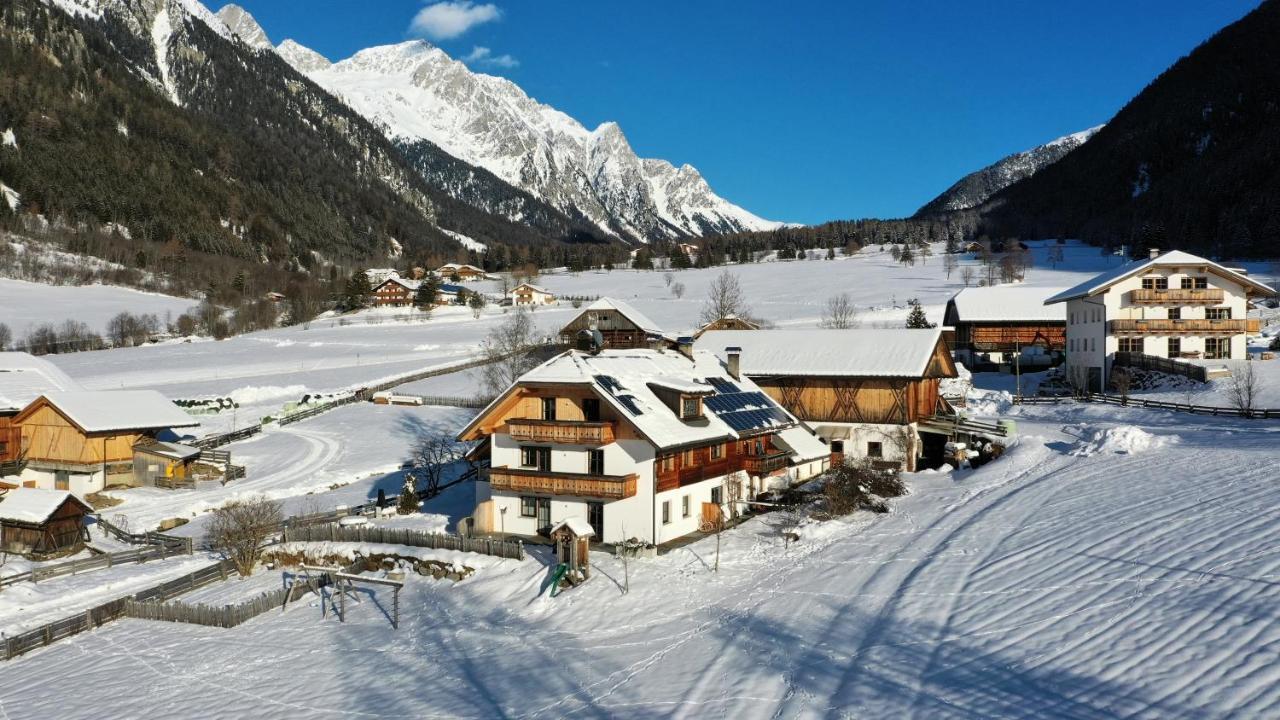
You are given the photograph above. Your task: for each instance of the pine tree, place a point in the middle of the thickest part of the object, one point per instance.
(358, 290)
(408, 503)
(916, 318)
(425, 297)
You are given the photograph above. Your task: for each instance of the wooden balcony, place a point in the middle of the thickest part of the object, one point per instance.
(607, 487)
(1253, 325)
(1204, 296)
(561, 431)
(764, 464)
(1178, 327)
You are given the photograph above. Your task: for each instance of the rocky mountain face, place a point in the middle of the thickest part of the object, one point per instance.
(417, 93)
(975, 188)
(1192, 162)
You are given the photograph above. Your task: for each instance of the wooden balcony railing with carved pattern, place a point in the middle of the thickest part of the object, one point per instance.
(1177, 327)
(1176, 296)
(764, 464)
(545, 482)
(561, 431)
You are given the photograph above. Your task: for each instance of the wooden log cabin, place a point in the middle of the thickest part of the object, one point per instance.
(1006, 328)
(619, 325)
(41, 522)
(639, 443)
(862, 392)
(84, 440)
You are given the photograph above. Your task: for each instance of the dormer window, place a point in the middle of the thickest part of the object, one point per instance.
(690, 407)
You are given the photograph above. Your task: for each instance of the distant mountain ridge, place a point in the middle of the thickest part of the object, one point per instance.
(977, 187)
(415, 92)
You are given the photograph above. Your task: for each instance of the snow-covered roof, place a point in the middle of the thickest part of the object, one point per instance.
(732, 409)
(531, 286)
(24, 377)
(1007, 303)
(803, 444)
(456, 266)
(1173, 258)
(403, 281)
(172, 450)
(872, 352)
(34, 505)
(377, 276)
(636, 317)
(579, 527)
(109, 410)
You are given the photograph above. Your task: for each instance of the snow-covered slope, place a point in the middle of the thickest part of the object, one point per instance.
(242, 25)
(974, 189)
(417, 92)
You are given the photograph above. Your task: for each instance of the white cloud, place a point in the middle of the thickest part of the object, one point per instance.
(480, 55)
(445, 20)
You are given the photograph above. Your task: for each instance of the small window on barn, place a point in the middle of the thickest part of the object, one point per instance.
(875, 450)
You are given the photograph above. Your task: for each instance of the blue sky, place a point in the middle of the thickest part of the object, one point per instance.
(801, 110)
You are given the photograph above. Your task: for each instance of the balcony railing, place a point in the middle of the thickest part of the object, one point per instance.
(762, 464)
(1175, 327)
(1177, 296)
(559, 431)
(545, 482)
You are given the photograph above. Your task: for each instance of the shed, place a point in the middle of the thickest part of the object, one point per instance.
(34, 521)
(159, 463)
(572, 536)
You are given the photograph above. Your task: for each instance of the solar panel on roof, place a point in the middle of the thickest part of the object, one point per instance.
(722, 386)
(629, 402)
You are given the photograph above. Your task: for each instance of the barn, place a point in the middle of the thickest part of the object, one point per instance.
(35, 521)
(996, 326)
(621, 326)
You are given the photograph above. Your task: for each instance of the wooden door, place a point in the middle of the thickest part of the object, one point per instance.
(710, 516)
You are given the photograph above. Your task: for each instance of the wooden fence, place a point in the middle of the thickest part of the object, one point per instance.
(15, 645)
(213, 441)
(1259, 414)
(224, 616)
(1142, 361)
(513, 549)
(462, 402)
(142, 538)
(158, 548)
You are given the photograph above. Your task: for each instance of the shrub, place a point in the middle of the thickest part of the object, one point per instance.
(853, 487)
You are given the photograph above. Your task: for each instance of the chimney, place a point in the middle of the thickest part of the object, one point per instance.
(684, 344)
(1153, 253)
(734, 355)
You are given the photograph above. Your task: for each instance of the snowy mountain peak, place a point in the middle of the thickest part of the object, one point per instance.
(391, 59)
(242, 25)
(302, 58)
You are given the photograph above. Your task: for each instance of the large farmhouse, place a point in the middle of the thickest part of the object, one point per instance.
(526, 294)
(619, 326)
(460, 271)
(639, 443)
(867, 393)
(994, 326)
(1175, 305)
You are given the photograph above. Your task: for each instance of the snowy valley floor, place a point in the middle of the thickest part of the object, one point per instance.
(1089, 573)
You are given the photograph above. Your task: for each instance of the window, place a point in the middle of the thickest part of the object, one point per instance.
(1175, 347)
(717, 452)
(595, 462)
(1131, 345)
(61, 480)
(1196, 283)
(1217, 348)
(549, 408)
(875, 450)
(1175, 313)
(1073, 318)
(1217, 313)
(684, 506)
(666, 512)
(690, 407)
(837, 446)
(528, 506)
(716, 495)
(591, 410)
(667, 463)
(536, 457)
(688, 458)
(1093, 344)
(1155, 283)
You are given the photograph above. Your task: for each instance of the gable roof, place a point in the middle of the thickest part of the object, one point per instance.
(1007, 303)
(872, 352)
(459, 266)
(96, 411)
(404, 282)
(24, 377)
(35, 505)
(636, 317)
(1173, 258)
(623, 378)
(579, 527)
(531, 286)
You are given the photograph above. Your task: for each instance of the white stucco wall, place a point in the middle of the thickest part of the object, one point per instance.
(79, 483)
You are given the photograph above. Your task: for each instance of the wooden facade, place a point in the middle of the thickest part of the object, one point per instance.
(898, 401)
(521, 414)
(754, 456)
(1005, 336)
(63, 530)
(393, 292)
(726, 323)
(52, 439)
(462, 272)
(617, 330)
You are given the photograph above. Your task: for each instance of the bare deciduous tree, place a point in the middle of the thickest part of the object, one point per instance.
(840, 313)
(966, 275)
(241, 528)
(6, 336)
(507, 349)
(1244, 387)
(433, 452)
(725, 298)
(949, 264)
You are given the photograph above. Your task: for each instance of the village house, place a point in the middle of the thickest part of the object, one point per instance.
(395, 291)
(867, 393)
(529, 294)
(639, 443)
(619, 325)
(1174, 305)
(460, 272)
(728, 322)
(994, 326)
(41, 522)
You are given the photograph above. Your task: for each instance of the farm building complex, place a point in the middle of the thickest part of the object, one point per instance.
(996, 326)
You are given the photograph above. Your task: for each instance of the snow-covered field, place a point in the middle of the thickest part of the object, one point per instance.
(24, 305)
(1116, 561)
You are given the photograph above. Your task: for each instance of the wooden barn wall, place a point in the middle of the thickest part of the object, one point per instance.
(50, 437)
(853, 401)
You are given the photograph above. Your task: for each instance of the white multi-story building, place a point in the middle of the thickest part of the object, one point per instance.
(640, 443)
(1173, 305)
